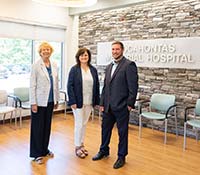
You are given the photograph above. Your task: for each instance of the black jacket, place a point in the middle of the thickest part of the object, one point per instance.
(75, 87)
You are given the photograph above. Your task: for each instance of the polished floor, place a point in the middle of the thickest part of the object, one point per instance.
(147, 156)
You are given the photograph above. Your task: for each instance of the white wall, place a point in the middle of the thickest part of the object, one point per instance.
(28, 12)
(32, 12)
(73, 38)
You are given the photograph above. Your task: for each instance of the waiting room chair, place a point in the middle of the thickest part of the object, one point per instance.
(136, 111)
(5, 108)
(63, 101)
(161, 107)
(93, 113)
(192, 120)
(21, 95)
(138, 103)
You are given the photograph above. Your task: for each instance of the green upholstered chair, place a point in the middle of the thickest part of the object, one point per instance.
(192, 120)
(21, 95)
(160, 108)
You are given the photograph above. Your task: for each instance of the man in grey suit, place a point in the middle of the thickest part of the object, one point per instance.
(117, 99)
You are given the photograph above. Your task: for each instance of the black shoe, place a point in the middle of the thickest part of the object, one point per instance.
(119, 163)
(100, 155)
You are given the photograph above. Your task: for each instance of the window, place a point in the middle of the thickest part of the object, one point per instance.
(16, 57)
(15, 61)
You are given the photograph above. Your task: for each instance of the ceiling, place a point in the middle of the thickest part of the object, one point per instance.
(106, 4)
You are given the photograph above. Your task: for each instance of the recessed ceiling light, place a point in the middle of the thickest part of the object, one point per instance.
(68, 3)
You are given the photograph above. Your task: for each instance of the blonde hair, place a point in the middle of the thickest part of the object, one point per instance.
(44, 45)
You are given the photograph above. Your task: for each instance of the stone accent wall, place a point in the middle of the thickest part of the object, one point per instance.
(164, 19)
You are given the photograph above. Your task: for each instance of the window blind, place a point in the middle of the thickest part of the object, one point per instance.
(30, 31)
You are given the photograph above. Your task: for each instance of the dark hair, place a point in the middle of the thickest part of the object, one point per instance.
(120, 43)
(80, 52)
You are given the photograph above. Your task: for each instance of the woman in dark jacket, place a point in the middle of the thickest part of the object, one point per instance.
(83, 93)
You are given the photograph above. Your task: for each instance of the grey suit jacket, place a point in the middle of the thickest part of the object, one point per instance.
(40, 83)
(120, 90)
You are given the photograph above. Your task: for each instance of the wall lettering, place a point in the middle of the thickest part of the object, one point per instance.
(163, 53)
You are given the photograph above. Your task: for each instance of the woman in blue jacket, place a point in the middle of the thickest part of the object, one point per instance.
(83, 93)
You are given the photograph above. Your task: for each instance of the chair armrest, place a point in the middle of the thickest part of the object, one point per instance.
(64, 93)
(142, 102)
(16, 100)
(169, 109)
(186, 111)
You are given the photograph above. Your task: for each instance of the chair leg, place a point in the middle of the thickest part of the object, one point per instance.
(65, 109)
(152, 126)
(99, 115)
(196, 133)
(140, 126)
(176, 123)
(11, 116)
(15, 119)
(20, 117)
(185, 132)
(139, 110)
(92, 114)
(4, 115)
(165, 140)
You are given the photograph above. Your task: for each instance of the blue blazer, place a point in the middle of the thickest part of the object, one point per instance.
(75, 88)
(120, 90)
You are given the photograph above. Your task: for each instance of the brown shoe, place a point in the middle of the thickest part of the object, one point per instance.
(84, 150)
(79, 152)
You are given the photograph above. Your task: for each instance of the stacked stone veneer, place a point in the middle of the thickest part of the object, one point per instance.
(161, 19)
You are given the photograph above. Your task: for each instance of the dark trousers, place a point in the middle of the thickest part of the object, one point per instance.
(40, 130)
(122, 119)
